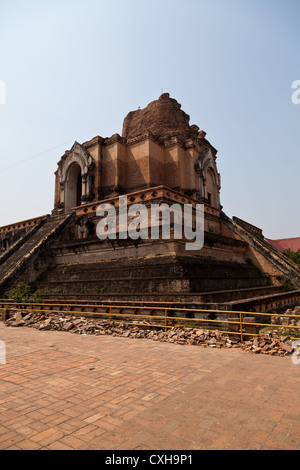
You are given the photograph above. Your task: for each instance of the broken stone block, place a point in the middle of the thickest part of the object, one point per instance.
(212, 341)
(18, 320)
(27, 317)
(46, 324)
(286, 347)
(200, 332)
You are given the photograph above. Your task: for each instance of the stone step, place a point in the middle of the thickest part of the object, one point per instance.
(21, 255)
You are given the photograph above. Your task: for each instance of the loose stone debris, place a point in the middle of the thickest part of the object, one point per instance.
(288, 321)
(270, 343)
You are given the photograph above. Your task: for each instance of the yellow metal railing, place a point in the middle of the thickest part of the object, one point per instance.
(166, 322)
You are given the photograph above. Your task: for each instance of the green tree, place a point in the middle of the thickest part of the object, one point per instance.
(293, 255)
(24, 293)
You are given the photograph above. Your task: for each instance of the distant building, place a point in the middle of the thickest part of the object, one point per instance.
(283, 244)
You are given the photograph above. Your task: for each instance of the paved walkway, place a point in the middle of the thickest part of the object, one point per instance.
(61, 391)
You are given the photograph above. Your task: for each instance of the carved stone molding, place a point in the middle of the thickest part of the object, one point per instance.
(78, 155)
(205, 163)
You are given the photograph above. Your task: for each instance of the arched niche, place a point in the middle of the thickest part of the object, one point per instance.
(210, 187)
(73, 187)
(76, 178)
(209, 178)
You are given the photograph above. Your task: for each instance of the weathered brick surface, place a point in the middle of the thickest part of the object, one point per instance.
(163, 118)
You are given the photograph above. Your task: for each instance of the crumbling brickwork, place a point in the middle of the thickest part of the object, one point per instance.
(158, 146)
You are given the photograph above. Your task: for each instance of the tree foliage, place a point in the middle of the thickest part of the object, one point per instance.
(24, 293)
(293, 255)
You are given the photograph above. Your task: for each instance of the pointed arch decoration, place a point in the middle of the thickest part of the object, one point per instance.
(77, 169)
(209, 178)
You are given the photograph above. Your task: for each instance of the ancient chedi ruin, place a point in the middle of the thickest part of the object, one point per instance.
(160, 158)
(158, 147)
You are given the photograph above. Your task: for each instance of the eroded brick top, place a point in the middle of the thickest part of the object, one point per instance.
(163, 118)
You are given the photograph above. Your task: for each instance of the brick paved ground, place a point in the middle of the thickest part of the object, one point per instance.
(61, 391)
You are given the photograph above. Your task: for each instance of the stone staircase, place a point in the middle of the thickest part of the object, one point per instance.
(285, 265)
(20, 257)
(21, 238)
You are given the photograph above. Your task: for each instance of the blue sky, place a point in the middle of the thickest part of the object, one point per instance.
(73, 69)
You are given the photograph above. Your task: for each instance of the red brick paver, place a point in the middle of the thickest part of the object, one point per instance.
(59, 391)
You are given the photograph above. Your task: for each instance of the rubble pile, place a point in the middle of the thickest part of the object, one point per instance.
(270, 343)
(288, 321)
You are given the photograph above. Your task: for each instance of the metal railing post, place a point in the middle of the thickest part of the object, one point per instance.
(241, 327)
(166, 320)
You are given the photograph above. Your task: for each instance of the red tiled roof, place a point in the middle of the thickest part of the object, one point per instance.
(286, 243)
